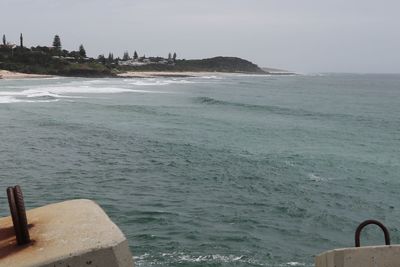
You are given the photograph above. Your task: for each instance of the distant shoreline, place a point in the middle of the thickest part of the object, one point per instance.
(12, 75)
(177, 74)
(53, 60)
(274, 71)
(156, 74)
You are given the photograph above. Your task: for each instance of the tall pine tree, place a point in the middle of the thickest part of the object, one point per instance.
(57, 42)
(82, 51)
(126, 56)
(110, 57)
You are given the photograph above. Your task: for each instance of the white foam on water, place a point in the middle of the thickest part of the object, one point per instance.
(11, 99)
(58, 92)
(179, 258)
(247, 75)
(32, 93)
(213, 77)
(316, 178)
(84, 90)
(294, 263)
(156, 82)
(180, 81)
(95, 81)
(7, 99)
(207, 258)
(148, 83)
(80, 88)
(96, 90)
(141, 257)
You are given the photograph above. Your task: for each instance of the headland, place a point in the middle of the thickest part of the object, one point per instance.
(19, 61)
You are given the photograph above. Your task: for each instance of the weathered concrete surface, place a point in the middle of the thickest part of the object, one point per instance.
(68, 234)
(377, 256)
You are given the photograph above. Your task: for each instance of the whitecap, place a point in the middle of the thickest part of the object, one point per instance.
(59, 90)
(7, 99)
(211, 77)
(157, 81)
(51, 93)
(294, 263)
(316, 178)
(148, 83)
(12, 99)
(95, 81)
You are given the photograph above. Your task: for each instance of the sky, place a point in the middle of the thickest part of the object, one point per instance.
(308, 36)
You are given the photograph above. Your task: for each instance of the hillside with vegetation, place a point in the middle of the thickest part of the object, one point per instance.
(51, 60)
(216, 64)
(54, 60)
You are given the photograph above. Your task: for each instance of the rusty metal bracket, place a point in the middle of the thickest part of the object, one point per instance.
(368, 222)
(18, 214)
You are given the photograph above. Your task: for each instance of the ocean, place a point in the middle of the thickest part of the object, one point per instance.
(220, 170)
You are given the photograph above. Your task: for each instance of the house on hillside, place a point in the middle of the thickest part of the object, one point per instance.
(145, 61)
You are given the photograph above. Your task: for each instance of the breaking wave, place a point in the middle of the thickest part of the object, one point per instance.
(157, 82)
(12, 99)
(51, 93)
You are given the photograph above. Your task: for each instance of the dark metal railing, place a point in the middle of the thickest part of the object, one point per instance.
(18, 214)
(368, 222)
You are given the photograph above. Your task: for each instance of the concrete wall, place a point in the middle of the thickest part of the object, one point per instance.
(377, 256)
(68, 234)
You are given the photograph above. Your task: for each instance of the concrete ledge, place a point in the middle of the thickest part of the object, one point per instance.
(385, 256)
(67, 234)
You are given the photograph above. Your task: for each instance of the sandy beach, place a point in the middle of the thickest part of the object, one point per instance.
(155, 74)
(5, 74)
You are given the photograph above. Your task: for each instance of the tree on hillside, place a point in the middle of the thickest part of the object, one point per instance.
(126, 56)
(57, 42)
(82, 51)
(4, 39)
(135, 56)
(21, 41)
(169, 57)
(110, 57)
(102, 59)
(174, 57)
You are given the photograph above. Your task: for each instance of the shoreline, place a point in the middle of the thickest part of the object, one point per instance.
(158, 74)
(182, 74)
(12, 75)
(164, 74)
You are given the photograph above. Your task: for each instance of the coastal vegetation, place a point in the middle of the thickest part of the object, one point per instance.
(55, 60)
(216, 64)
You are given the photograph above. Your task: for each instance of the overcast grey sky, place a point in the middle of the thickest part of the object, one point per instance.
(300, 35)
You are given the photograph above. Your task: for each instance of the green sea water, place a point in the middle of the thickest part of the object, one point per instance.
(224, 170)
